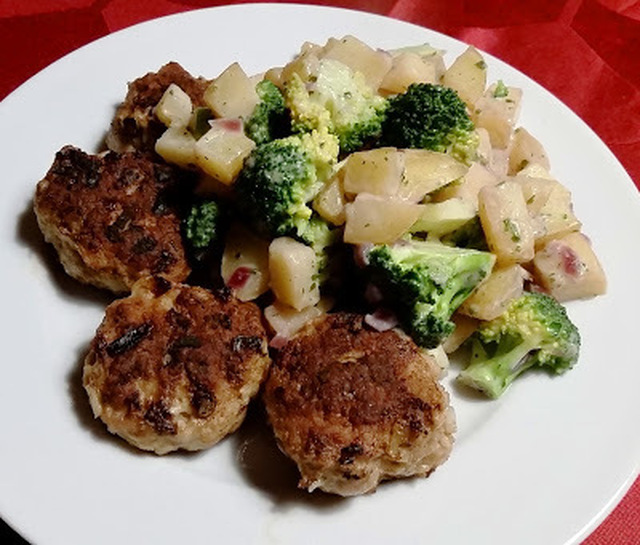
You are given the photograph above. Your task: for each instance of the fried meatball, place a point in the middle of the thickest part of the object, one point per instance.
(135, 126)
(110, 219)
(353, 406)
(174, 366)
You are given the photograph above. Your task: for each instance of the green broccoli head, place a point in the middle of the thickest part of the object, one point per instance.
(338, 99)
(534, 331)
(202, 227)
(430, 117)
(426, 282)
(281, 177)
(270, 119)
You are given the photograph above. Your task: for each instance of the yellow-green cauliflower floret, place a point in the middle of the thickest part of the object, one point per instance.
(337, 98)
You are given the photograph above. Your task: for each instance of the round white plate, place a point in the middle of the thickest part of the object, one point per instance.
(543, 465)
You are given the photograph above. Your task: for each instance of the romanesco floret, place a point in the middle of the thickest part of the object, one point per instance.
(534, 331)
(430, 117)
(425, 282)
(338, 99)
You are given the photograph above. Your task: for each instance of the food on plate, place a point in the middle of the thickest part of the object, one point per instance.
(353, 406)
(135, 125)
(534, 331)
(174, 366)
(111, 217)
(376, 210)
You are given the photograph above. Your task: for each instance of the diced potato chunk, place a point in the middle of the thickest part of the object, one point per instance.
(569, 269)
(221, 151)
(498, 114)
(381, 220)
(426, 171)
(358, 56)
(506, 222)
(177, 146)
(377, 171)
(465, 326)
(174, 108)
(293, 269)
(468, 187)
(467, 75)
(286, 321)
(330, 202)
(550, 207)
(408, 68)
(491, 297)
(440, 218)
(232, 93)
(245, 263)
(526, 150)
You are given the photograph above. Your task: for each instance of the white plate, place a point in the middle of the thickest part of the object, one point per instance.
(543, 465)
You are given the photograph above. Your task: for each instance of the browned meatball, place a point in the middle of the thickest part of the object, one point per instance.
(135, 126)
(109, 219)
(353, 406)
(174, 366)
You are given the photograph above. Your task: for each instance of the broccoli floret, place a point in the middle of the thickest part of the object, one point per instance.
(281, 177)
(430, 117)
(426, 282)
(338, 99)
(202, 227)
(468, 235)
(534, 331)
(269, 119)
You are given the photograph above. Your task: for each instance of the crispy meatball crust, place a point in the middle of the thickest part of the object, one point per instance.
(174, 366)
(135, 126)
(353, 406)
(110, 219)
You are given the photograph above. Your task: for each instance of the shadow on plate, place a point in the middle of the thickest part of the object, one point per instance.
(29, 234)
(266, 468)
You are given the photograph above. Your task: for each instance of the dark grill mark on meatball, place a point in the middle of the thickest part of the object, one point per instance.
(129, 340)
(160, 286)
(144, 245)
(76, 167)
(348, 454)
(160, 418)
(114, 232)
(244, 342)
(164, 261)
(203, 400)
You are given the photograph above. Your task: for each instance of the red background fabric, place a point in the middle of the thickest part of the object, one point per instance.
(583, 51)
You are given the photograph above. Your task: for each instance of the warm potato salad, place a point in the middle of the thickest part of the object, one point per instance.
(381, 182)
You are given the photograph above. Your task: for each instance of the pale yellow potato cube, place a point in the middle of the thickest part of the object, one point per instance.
(232, 93)
(330, 202)
(293, 269)
(245, 263)
(380, 220)
(526, 150)
(177, 146)
(569, 268)
(506, 222)
(305, 64)
(378, 171)
(491, 298)
(426, 171)
(221, 151)
(440, 218)
(550, 206)
(498, 114)
(174, 108)
(286, 321)
(468, 187)
(372, 63)
(465, 327)
(467, 75)
(408, 68)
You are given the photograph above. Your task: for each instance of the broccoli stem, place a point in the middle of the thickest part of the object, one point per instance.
(493, 375)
